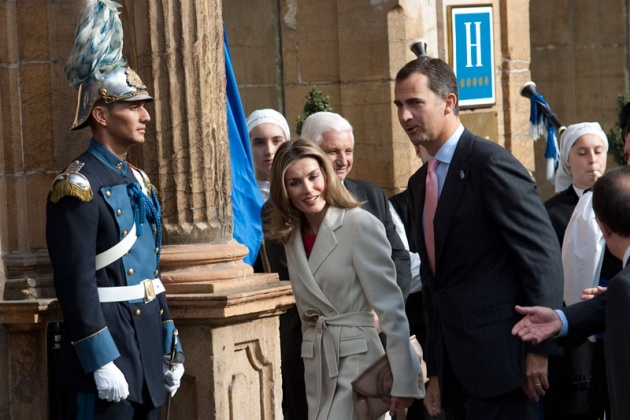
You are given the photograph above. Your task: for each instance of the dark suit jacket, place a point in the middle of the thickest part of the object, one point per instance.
(495, 248)
(400, 202)
(560, 208)
(414, 307)
(617, 344)
(377, 204)
(586, 318)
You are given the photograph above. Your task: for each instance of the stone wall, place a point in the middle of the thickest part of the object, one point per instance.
(580, 62)
(351, 50)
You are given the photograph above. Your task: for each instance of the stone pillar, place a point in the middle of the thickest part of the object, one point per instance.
(227, 316)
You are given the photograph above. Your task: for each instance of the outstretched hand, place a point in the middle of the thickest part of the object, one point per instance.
(538, 324)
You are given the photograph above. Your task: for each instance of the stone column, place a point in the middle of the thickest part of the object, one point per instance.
(226, 315)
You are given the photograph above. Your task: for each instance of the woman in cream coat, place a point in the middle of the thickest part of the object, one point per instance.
(340, 267)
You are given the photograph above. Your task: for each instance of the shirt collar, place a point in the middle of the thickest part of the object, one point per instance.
(107, 157)
(446, 152)
(578, 191)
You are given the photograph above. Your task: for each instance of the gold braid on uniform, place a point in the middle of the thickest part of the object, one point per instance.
(71, 183)
(147, 182)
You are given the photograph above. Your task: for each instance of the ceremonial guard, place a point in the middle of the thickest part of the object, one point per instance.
(119, 356)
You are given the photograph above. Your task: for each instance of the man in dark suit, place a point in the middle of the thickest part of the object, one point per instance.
(609, 311)
(494, 247)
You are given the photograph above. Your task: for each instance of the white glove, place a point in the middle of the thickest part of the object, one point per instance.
(111, 383)
(172, 377)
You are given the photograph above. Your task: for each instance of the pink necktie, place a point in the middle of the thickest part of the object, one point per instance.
(430, 204)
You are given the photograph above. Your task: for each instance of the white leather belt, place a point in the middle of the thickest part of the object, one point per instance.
(105, 258)
(147, 290)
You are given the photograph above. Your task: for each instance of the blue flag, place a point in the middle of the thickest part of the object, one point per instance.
(247, 200)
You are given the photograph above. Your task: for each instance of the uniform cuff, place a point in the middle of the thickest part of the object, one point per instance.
(96, 350)
(168, 327)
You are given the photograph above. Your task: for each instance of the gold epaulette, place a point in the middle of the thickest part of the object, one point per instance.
(71, 183)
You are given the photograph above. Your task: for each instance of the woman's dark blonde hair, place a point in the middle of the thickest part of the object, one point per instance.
(284, 217)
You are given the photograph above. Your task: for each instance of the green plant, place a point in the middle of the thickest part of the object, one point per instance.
(314, 103)
(615, 139)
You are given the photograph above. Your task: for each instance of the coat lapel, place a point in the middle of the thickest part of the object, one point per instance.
(326, 240)
(418, 206)
(302, 278)
(452, 191)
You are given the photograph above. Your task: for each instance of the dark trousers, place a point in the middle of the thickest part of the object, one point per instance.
(459, 405)
(418, 327)
(577, 383)
(87, 406)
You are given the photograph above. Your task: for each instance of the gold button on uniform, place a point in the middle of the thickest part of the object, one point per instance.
(156, 272)
(108, 193)
(138, 312)
(157, 250)
(130, 272)
(161, 311)
(124, 233)
(119, 166)
(119, 212)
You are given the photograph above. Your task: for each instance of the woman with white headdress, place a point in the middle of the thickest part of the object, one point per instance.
(268, 129)
(583, 152)
(577, 386)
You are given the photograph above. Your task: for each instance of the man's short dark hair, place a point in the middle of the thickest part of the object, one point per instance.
(442, 79)
(611, 200)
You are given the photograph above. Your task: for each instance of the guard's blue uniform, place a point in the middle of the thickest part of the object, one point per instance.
(133, 334)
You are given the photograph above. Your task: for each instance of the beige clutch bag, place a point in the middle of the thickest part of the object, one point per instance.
(372, 388)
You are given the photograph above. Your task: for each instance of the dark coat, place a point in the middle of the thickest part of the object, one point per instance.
(560, 208)
(617, 344)
(495, 248)
(134, 335)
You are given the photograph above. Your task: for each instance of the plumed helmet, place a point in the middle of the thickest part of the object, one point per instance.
(121, 85)
(96, 65)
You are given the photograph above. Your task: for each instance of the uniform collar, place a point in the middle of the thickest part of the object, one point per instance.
(108, 158)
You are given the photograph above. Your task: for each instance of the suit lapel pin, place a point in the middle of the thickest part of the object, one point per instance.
(462, 175)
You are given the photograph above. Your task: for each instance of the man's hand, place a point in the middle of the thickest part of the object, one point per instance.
(172, 377)
(591, 292)
(111, 383)
(536, 370)
(538, 324)
(432, 398)
(398, 403)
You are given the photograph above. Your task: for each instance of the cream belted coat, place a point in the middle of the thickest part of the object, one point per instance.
(349, 273)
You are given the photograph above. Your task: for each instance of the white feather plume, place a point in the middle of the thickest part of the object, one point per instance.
(98, 46)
